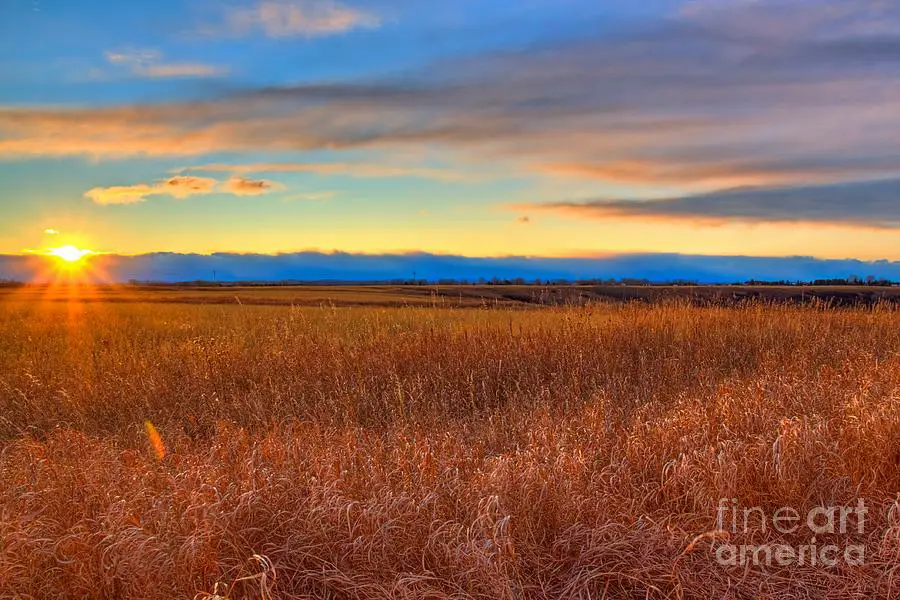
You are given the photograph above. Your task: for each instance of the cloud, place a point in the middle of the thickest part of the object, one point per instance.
(240, 186)
(303, 18)
(365, 170)
(132, 57)
(180, 70)
(723, 173)
(523, 220)
(861, 204)
(781, 20)
(148, 63)
(181, 186)
(121, 194)
(341, 266)
(51, 232)
(107, 132)
(764, 107)
(325, 195)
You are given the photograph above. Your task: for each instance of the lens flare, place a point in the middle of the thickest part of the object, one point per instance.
(156, 442)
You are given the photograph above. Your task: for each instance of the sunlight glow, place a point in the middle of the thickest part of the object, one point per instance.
(68, 265)
(71, 254)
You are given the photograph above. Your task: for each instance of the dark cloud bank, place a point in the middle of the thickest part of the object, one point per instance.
(868, 204)
(314, 266)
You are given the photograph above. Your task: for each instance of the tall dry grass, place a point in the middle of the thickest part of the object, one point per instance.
(437, 453)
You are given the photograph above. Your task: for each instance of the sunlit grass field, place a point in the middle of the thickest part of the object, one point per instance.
(181, 450)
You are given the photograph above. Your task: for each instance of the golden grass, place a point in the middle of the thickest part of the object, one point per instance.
(446, 296)
(436, 453)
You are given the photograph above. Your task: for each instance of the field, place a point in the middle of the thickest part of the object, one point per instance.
(196, 443)
(472, 296)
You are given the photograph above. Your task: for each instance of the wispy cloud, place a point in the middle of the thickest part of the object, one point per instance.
(181, 70)
(865, 204)
(363, 170)
(722, 174)
(304, 18)
(636, 108)
(178, 187)
(132, 57)
(150, 64)
(313, 196)
(239, 186)
(781, 20)
(51, 231)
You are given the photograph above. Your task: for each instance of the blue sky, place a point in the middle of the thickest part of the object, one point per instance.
(472, 128)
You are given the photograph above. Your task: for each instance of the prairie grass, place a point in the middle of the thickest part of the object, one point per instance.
(437, 452)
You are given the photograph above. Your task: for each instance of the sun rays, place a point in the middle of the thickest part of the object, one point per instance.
(70, 264)
(64, 270)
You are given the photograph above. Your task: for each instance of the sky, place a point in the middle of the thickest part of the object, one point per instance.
(551, 129)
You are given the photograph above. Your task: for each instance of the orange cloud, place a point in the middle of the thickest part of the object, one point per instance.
(334, 168)
(111, 132)
(667, 172)
(121, 194)
(183, 186)
(240, 186)
(179, 187)
(713, 174)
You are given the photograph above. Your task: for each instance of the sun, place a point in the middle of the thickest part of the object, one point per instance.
(69, 254)
(71, 266)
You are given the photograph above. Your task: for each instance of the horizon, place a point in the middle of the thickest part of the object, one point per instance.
(343, 267)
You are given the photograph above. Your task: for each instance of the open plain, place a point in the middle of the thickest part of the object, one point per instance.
(396, 448)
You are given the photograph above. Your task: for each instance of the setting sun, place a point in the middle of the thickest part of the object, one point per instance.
(68, 263)
(69, 253)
